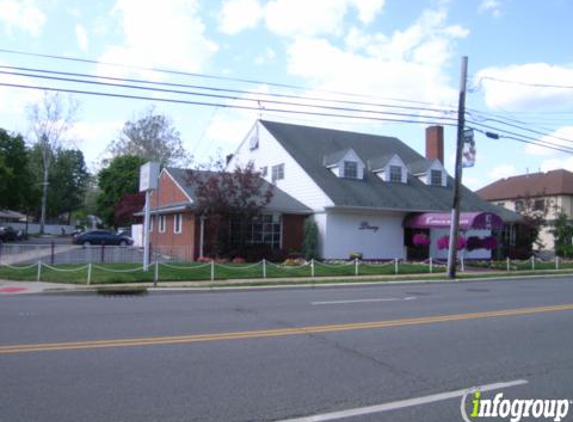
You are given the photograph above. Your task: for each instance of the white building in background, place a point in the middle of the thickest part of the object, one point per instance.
(364, 190)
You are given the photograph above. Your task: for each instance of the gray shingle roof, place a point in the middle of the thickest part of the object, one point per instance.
(308, 145)
(281, 201)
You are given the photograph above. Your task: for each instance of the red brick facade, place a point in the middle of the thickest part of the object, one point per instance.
(185, 244)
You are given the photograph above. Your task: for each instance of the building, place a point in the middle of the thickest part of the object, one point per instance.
(543, 193)
(368, 194)
(177, 230)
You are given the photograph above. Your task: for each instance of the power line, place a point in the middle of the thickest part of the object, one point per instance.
(530, 84)
(427, 119)
(218, 96)
(201, 75)
(122, 81)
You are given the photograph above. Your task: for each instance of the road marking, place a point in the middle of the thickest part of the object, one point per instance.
(277, 332)
(371, 300)
(402, 403)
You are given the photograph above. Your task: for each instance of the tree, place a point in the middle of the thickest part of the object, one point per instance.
(534, 210)
(50, 120)
(563, 235)
(17, 182)
(310, 239)
(152, 137)
(119, 178)
(223, 196)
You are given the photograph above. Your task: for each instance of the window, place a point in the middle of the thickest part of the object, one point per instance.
(538, 205)
(177, 223)
(351, 169)
(395, 174)
(263, 230)
(519, 205)
(161, 224)
(278, 172)
(436, 178)
(151, 224)
(264, 171)
(254, 141)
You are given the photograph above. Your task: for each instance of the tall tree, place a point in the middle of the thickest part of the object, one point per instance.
(50, 120)
(120, 177)
(16, 180)
(153, 137)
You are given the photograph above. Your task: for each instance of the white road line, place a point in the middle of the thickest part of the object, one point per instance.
(402, 403)
(386, 299)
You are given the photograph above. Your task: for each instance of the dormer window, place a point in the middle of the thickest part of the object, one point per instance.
(436, 178)
(351, 169)
(345, 164)
(396, 174)
(389, 168)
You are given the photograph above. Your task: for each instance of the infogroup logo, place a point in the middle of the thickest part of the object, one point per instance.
(513, 410)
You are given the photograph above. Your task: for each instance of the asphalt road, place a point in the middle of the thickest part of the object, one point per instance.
(275, 355)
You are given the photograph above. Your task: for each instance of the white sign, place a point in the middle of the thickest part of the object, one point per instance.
(148, 174)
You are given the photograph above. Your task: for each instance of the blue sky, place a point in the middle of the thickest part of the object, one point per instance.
(387, 49)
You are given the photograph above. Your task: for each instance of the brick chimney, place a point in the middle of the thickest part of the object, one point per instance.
(435, 143)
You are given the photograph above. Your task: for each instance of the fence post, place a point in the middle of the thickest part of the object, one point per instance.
(103, 253)
(507, 263)
(355, 266)
(431, 265)
(396, 265)
(156, 271)
(264, 268)
(52, 252)
(556, 262)
(463, 266)
(312, 267)
(532, 262)
(89, 280)
(212, 270)
(39, 275)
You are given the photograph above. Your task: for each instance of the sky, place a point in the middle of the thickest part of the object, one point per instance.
(399, 58)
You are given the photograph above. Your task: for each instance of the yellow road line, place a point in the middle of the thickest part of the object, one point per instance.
(280, 332)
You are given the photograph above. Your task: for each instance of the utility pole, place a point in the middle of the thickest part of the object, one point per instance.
(455, 219)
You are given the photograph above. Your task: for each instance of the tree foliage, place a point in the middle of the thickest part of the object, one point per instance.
(119, 178)
(221, 196)
(15, 176)
(68, 180)
(153, 137)
(310, 239)
(50, 120)
(563, 235)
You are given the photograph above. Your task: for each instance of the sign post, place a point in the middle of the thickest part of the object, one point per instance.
(148, 175)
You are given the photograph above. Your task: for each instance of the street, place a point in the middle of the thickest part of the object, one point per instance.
(369, 353)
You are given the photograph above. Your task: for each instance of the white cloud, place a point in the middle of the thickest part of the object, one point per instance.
(238, 15)
(295, 18)
(167, 34)
(503, 171)
(82, 37)
(93, 137)
(510, 88)
(490, 6)
(562, 137)
(267, 57)
(22, 14)
(408, 64)
(557, 163)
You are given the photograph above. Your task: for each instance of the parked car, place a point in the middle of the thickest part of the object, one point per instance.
(102, 237)
(8, 233)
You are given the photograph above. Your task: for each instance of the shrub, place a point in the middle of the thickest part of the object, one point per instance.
(310, 239)
(355, 255)
(421, 239)
(238, 260)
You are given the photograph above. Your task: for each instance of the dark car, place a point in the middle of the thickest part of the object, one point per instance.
(102, 237)
(8, 234)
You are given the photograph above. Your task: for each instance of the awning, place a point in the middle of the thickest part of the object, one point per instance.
(468, 220)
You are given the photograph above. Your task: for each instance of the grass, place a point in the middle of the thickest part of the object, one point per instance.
(253, 273)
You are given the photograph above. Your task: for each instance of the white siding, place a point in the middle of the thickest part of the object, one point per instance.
(270, 153)
(344, 235)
